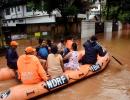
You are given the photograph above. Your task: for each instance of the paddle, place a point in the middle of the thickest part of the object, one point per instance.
(113, 56)
(117, 60)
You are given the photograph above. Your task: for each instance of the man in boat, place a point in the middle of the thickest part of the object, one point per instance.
(69, 41)
(61, 46)
(92, 49)
(30, 70)
(12, 55)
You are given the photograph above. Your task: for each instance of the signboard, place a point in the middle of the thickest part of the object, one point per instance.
(56, 82)
(37, 34)
(44, 33)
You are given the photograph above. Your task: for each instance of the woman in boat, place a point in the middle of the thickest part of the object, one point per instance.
(55, 62)
(92, 49)
(73, 63)
(30, 70)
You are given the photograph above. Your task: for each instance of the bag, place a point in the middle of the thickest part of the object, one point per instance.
(43, 53)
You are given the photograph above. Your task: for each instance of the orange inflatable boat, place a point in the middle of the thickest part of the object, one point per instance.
(23, 92)
(6, 73)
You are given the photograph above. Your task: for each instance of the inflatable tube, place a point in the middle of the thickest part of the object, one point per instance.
(6, 74)
(23, 92)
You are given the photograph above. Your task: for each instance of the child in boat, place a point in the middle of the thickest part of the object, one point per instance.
(73, 63)
(30, 70)
(55, 62)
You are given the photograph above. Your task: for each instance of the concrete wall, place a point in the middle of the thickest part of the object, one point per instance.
(87, 30)
(108, 30)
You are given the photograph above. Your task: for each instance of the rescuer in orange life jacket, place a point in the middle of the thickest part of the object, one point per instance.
(30, 70)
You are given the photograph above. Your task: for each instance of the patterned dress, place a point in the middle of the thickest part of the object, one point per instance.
(73, 63)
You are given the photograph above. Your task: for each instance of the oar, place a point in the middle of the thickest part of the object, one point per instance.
(113, 57)
(117, 60)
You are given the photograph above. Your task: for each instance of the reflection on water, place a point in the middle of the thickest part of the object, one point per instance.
(118, 35)
(112, 84)
(117, 87)
(108, 36)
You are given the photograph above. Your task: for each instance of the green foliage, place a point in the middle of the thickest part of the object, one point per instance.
(110, 12)
(117, 10)
(72, 10)
(124, 17)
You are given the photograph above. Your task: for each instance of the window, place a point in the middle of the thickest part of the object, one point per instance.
(8, 21)
(20, 20)
(12, 10)
(13, 20)
(18, 8)
(7, 11)
(4, 21)
(28, 9)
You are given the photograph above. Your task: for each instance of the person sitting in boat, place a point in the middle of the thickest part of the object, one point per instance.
(43, 51)
(92, 49)
(61, 47)
(12, 55)
(67, 49)
(30, 70)
(73, 63)
(54, 62)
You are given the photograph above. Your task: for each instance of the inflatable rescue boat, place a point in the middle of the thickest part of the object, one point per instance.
(23, 92)
(6, 73)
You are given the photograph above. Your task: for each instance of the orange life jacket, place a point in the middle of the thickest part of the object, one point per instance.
(30, 70)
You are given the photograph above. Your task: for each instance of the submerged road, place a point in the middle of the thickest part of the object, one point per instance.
(111, 84)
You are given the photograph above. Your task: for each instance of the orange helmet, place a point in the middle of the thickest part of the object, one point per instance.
(13, 43)
(30, 49)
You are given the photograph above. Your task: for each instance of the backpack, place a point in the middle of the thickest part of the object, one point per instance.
(43, 53)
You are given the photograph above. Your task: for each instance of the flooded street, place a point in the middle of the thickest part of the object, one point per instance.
(111, 84)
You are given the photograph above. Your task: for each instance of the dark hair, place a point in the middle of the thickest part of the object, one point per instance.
(93, 38)
(74, 46)
(49, 42)
(68, 38)
(62, 41)
(54, 49)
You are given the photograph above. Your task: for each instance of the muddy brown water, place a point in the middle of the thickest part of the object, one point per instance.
(111, 84)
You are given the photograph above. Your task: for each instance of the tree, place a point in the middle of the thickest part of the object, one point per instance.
(117, 10)
(67, 8)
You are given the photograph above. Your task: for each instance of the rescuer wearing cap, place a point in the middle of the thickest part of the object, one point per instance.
(12, 55)
(30, 70)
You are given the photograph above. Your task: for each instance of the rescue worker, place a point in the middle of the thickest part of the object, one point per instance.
(30, 70)
(12, 55)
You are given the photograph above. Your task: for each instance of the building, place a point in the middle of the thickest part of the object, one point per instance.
(95, 12)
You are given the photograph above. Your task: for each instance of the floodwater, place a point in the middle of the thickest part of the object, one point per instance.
(111, 84)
